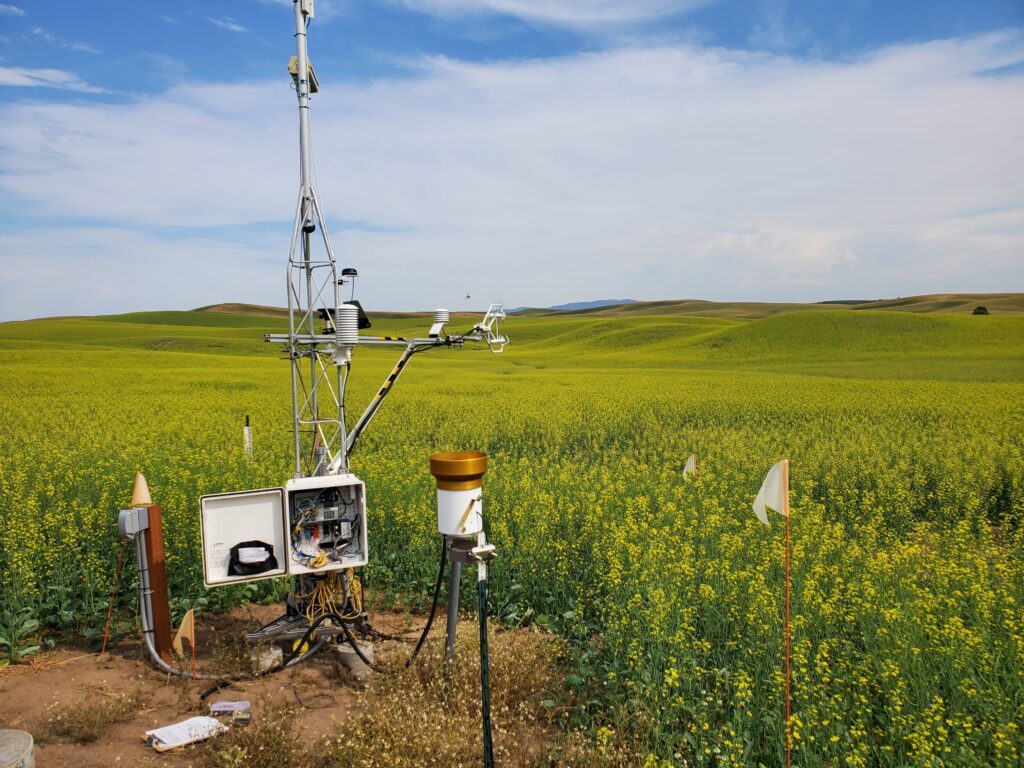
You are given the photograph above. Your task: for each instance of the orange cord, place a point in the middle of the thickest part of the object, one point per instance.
(113, 596)
(789, 740)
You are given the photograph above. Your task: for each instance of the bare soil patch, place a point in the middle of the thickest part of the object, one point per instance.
(87, 711)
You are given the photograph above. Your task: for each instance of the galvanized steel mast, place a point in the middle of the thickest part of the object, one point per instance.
(318, 378)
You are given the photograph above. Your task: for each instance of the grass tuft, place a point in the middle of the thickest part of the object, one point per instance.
(84, 721)
(413, 717)
(270, 741)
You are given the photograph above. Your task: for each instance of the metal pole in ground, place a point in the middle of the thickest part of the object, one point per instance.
(453, 614)
(460, 519)
(485, 675)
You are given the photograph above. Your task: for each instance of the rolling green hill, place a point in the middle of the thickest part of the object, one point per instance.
(842, 335)
(954, 303)
(823, 341)
(950, 303)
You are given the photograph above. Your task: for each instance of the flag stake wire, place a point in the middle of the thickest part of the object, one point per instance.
(774, 495)
(789, 741)
(113, 596)
(785, 501)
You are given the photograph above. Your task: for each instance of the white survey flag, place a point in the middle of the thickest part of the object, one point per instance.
(690, 469)
(774, 493)
(187, 631)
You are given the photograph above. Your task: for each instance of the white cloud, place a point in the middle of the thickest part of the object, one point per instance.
(11, 10)
(565, 12)
(776, 31)
(649, 173)
(227, 23)
(109, 267)
(45, 78)
(72, 45)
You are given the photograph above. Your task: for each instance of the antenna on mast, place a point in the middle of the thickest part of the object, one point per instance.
(319, 372)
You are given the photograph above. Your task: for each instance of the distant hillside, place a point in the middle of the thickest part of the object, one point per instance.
(258, 310)
(747, 310)
(841, 342)
(576, 305)
(946, 303)
(844, 335)
(943, 303)
(836, 342)
(244, 309)
(954, 303)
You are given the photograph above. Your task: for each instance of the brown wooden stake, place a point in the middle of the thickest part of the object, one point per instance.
(154, 542)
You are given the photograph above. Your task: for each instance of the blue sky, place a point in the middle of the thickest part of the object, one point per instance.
(527, 151)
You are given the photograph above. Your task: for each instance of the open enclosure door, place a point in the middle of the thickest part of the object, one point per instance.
(243, 536)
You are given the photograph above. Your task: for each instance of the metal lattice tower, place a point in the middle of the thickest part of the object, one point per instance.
(319, 343)
(317, 371)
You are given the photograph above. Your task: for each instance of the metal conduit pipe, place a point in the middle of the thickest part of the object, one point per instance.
(145, 617)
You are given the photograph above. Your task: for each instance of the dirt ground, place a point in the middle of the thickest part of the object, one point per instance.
(33, 694)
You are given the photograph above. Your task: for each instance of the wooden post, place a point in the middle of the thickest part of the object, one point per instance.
(154, 543)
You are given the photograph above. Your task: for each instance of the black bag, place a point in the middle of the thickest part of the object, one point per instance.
(237, 568)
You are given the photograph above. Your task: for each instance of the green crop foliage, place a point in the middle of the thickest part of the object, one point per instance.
(904, 433)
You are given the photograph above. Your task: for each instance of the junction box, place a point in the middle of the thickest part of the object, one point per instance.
(311, 525)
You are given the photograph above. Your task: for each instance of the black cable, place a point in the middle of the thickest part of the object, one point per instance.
(285, 662)
(355, 645)
(344, 628)
(214, 688)
(433, 607)
(375, 635)
(295, 651)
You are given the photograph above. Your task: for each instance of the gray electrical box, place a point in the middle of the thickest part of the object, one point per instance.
(306, 6)
(133, 521)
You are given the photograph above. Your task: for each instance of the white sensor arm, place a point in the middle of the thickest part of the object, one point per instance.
(487, 330)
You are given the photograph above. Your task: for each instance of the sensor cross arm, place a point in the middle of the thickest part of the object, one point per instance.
(487, 330)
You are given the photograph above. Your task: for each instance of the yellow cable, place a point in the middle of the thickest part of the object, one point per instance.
(355, 593)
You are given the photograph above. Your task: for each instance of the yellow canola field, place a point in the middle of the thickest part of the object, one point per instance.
(908, 493)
